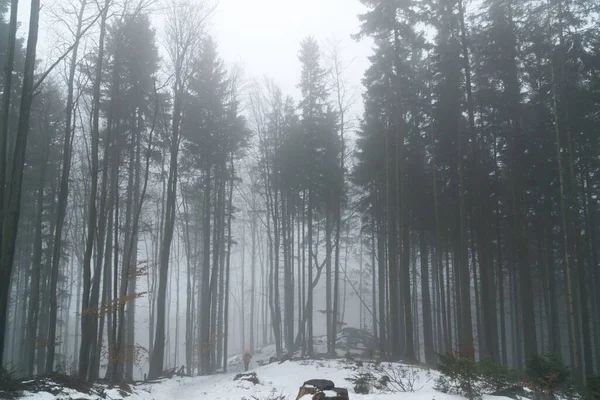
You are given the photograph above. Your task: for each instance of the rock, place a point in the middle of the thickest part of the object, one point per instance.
(332, 394)
(249, 377)
(320, 384)
(314, 387)
(286, 357)
(513, 392)
(124, 387)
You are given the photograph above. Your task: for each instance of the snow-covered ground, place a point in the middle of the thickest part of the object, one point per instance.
(275, 380)
(280, 381)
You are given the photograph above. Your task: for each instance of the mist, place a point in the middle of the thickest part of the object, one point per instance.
(184, 182)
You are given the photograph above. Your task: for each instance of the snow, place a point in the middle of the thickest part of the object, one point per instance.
(38, 396)
(70, 394)
(281, 380)
(277, 381)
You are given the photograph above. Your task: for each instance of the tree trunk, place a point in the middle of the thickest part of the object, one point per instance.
(10, 225)
(86, 316)
(253, 271)
(309, 302)
(4, 126)
(428, 344)
(228, 267)
(392, 246)
(157, 358)
(63, 191)
(383, 316)
(328, 274)
(31, 340)
(204, 351)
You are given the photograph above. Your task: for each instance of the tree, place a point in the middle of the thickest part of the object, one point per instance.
(321, 166)
(184, 28)
(64, 189)
(13, 197)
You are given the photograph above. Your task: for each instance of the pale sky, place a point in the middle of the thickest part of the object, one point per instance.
(263, 36)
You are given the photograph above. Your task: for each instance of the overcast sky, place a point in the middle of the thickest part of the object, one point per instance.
(263, 36)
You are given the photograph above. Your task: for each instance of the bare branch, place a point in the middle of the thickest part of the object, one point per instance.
(66, 53)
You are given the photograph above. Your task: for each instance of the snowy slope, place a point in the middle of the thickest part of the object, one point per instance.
(349, 341)
(277, 381)
(281, 380)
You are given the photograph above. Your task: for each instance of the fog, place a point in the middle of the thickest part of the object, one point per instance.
(185, 181)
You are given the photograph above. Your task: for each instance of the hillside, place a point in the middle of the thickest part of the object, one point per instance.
(277, 381)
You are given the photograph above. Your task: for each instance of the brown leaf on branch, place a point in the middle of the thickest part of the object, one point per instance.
(111, 306)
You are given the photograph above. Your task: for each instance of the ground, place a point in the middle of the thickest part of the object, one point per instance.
(276, 381)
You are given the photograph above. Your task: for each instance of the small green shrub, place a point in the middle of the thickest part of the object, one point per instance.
(382, 382)
(592, 388)
(272, 396)
(464, 376)
(9, 384)
(548, 375)
(496, 377)
(363, 382)
(399, 378)
(459, 375)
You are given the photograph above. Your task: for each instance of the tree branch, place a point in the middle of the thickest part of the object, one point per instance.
(66, 53)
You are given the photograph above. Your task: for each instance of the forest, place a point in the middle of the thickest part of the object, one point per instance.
(161, 208)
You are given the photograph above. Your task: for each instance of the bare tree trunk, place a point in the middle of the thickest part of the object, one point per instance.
(106, 309)
(328, 274)
(131, 275)
(301, 267)
(63, 191)
(500, 262)
(36, 265)
(86, 316)
(392, 246)
(302, 326)
(221, 289)
(190, 254)
(124, 368)
(243, 291)
(288, 270)
(10, 225)
(157, 359)
(575, 359)
(525, 285)
(591, 207)
(228, 267)
(204, 351)
(215, 275)
(373, 281)
(43, 326)
(549, 270)
(426, 303)
(405, 319)
(450, 333)
(104, 236)
(383, 316)
(4, 122)
(253, 270)
(481, 339)
(309, 308)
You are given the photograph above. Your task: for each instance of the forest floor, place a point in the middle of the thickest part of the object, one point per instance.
(276, 380)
